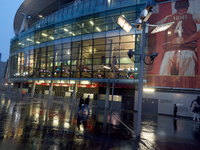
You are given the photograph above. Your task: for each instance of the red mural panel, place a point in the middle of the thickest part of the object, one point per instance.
(177, 64)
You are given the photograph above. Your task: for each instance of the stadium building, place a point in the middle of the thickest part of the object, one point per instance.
(70, 47)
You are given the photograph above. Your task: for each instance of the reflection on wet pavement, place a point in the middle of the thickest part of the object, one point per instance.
(29, 125)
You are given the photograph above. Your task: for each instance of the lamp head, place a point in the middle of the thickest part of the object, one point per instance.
(153, 56)
(130, 53)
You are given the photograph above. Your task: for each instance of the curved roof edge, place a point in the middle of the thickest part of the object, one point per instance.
(30, 8)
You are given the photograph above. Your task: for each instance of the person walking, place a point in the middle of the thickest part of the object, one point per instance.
(81, 102)
(196, 112)
(175, 111)
(87, 101)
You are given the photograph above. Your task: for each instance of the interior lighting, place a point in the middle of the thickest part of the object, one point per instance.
(148, 90)
(73, 34)
(91, 22)
(51, 37)
(37, 42)
(44, 34)
(106, 67)
(29, 39)
(98, 29)
(124, 24)
(72, 82)
(162, 27)
(40, 16)
(66, 30)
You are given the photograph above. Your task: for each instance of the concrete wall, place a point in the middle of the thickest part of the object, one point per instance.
(167, 100)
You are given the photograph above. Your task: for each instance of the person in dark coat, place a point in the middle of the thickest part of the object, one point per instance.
(196, 112)
(87, 101)
(81, 102)
(175, 111)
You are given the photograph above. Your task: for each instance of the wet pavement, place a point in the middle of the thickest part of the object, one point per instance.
(29, 125)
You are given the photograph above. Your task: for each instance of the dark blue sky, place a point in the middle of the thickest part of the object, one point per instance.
(8, 8)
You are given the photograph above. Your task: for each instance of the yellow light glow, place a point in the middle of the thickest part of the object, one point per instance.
(44, 34)
(55, 121)
(66, 125)
(66, 30)
(148, 90)
(91, 22)
(98, 29)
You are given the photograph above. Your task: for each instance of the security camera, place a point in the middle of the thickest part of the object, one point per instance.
(130, 53)
(154, 55)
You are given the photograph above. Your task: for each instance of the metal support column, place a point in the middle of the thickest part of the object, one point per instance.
(33, 90)
(107, 95)
(139, 115)
(21, 86)
(74, 92)
(49, 99)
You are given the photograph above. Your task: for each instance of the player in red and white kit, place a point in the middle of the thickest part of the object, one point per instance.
(180, 57)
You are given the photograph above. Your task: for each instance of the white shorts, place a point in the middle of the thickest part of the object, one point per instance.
(179, 62)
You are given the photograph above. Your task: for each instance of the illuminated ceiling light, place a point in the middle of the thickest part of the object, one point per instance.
(40, 16)
(37, 42)
(85, 82)
(20, 43)
(91, 22)
(90, 50)
(169, 32)
(121, 69)
(66, 30)
(133, 69)
(162, 27)
(106, 67)
(72, 82)
(73, 34)
(128, 69)
(44, 34)
(148, 90)
(29, 39)
(124, 24)
(70, 32)
(51, 37)
(98, 29)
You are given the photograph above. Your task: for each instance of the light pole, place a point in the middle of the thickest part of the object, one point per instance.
(140, 23)
(113, 85)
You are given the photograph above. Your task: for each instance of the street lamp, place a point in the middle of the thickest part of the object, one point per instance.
(140, 23)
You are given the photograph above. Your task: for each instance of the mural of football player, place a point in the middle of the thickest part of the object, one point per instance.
(180, 57)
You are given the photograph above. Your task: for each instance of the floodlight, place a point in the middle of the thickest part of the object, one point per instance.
(124, 24)
(153, 56)
(162, 27)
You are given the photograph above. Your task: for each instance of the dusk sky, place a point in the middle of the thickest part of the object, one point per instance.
(8, 8)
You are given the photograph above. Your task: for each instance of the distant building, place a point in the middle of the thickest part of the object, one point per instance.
(2, 71)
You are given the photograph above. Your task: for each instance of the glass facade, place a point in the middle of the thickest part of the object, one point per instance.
(31, 55)
(95, 23)
(81, 59)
